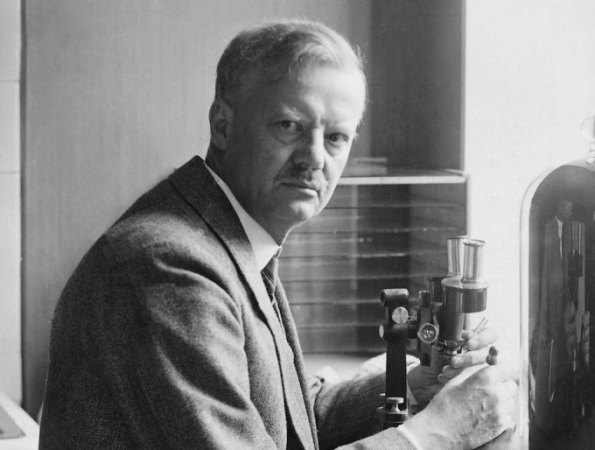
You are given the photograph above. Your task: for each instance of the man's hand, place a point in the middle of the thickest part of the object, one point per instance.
(470, 411)
(425, 382)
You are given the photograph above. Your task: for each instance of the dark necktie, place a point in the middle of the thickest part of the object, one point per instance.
(270, 276)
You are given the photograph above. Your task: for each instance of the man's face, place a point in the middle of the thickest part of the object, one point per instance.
(289, 142)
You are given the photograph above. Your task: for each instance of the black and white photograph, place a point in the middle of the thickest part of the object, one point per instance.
(306, 224)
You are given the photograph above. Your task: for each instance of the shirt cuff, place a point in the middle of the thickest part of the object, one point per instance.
(409, 436)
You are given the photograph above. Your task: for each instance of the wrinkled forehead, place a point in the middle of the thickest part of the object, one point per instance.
(256, 81)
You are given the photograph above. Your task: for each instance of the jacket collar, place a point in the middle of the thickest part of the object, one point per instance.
(263, 245)
(194, 182)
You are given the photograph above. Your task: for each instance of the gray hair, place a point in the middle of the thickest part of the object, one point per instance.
(269, 52)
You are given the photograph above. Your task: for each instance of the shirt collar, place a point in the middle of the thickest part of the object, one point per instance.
(263, 244)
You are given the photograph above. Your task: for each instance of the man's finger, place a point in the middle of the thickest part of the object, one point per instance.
(444, 378)
(469, 358)
(484, 338)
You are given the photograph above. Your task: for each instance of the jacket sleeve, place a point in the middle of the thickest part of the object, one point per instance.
(346, 416)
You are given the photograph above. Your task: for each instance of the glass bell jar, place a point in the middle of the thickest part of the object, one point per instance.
(558, 295)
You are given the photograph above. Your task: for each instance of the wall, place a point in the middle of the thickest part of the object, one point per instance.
(530, 81)
(10, 198)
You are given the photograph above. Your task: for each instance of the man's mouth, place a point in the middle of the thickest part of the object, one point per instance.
(303, 184)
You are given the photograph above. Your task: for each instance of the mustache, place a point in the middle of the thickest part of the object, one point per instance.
(303, 176)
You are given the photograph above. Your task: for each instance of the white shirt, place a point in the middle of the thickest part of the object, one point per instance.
(263, 244)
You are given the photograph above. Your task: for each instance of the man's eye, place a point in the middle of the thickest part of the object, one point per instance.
(338, 138)
(290, 126)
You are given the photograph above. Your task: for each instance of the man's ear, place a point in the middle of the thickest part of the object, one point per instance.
(220, 117)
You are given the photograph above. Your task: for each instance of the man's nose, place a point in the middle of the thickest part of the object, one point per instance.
(311, 151)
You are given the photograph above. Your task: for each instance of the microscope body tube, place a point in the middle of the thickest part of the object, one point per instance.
(462, 293)
(450, 315)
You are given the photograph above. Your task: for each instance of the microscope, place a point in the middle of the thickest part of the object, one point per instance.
(436, 320)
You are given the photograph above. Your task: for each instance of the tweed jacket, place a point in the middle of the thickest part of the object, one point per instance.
(165, 338)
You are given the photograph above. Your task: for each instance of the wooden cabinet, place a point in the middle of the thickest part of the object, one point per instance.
(383, 228)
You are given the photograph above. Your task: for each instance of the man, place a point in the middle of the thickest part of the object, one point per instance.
(169, 336)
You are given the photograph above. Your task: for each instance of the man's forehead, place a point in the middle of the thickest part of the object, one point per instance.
(259, 80)
(298, 94)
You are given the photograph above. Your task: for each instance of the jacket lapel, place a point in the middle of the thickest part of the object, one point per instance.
(194, 182)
